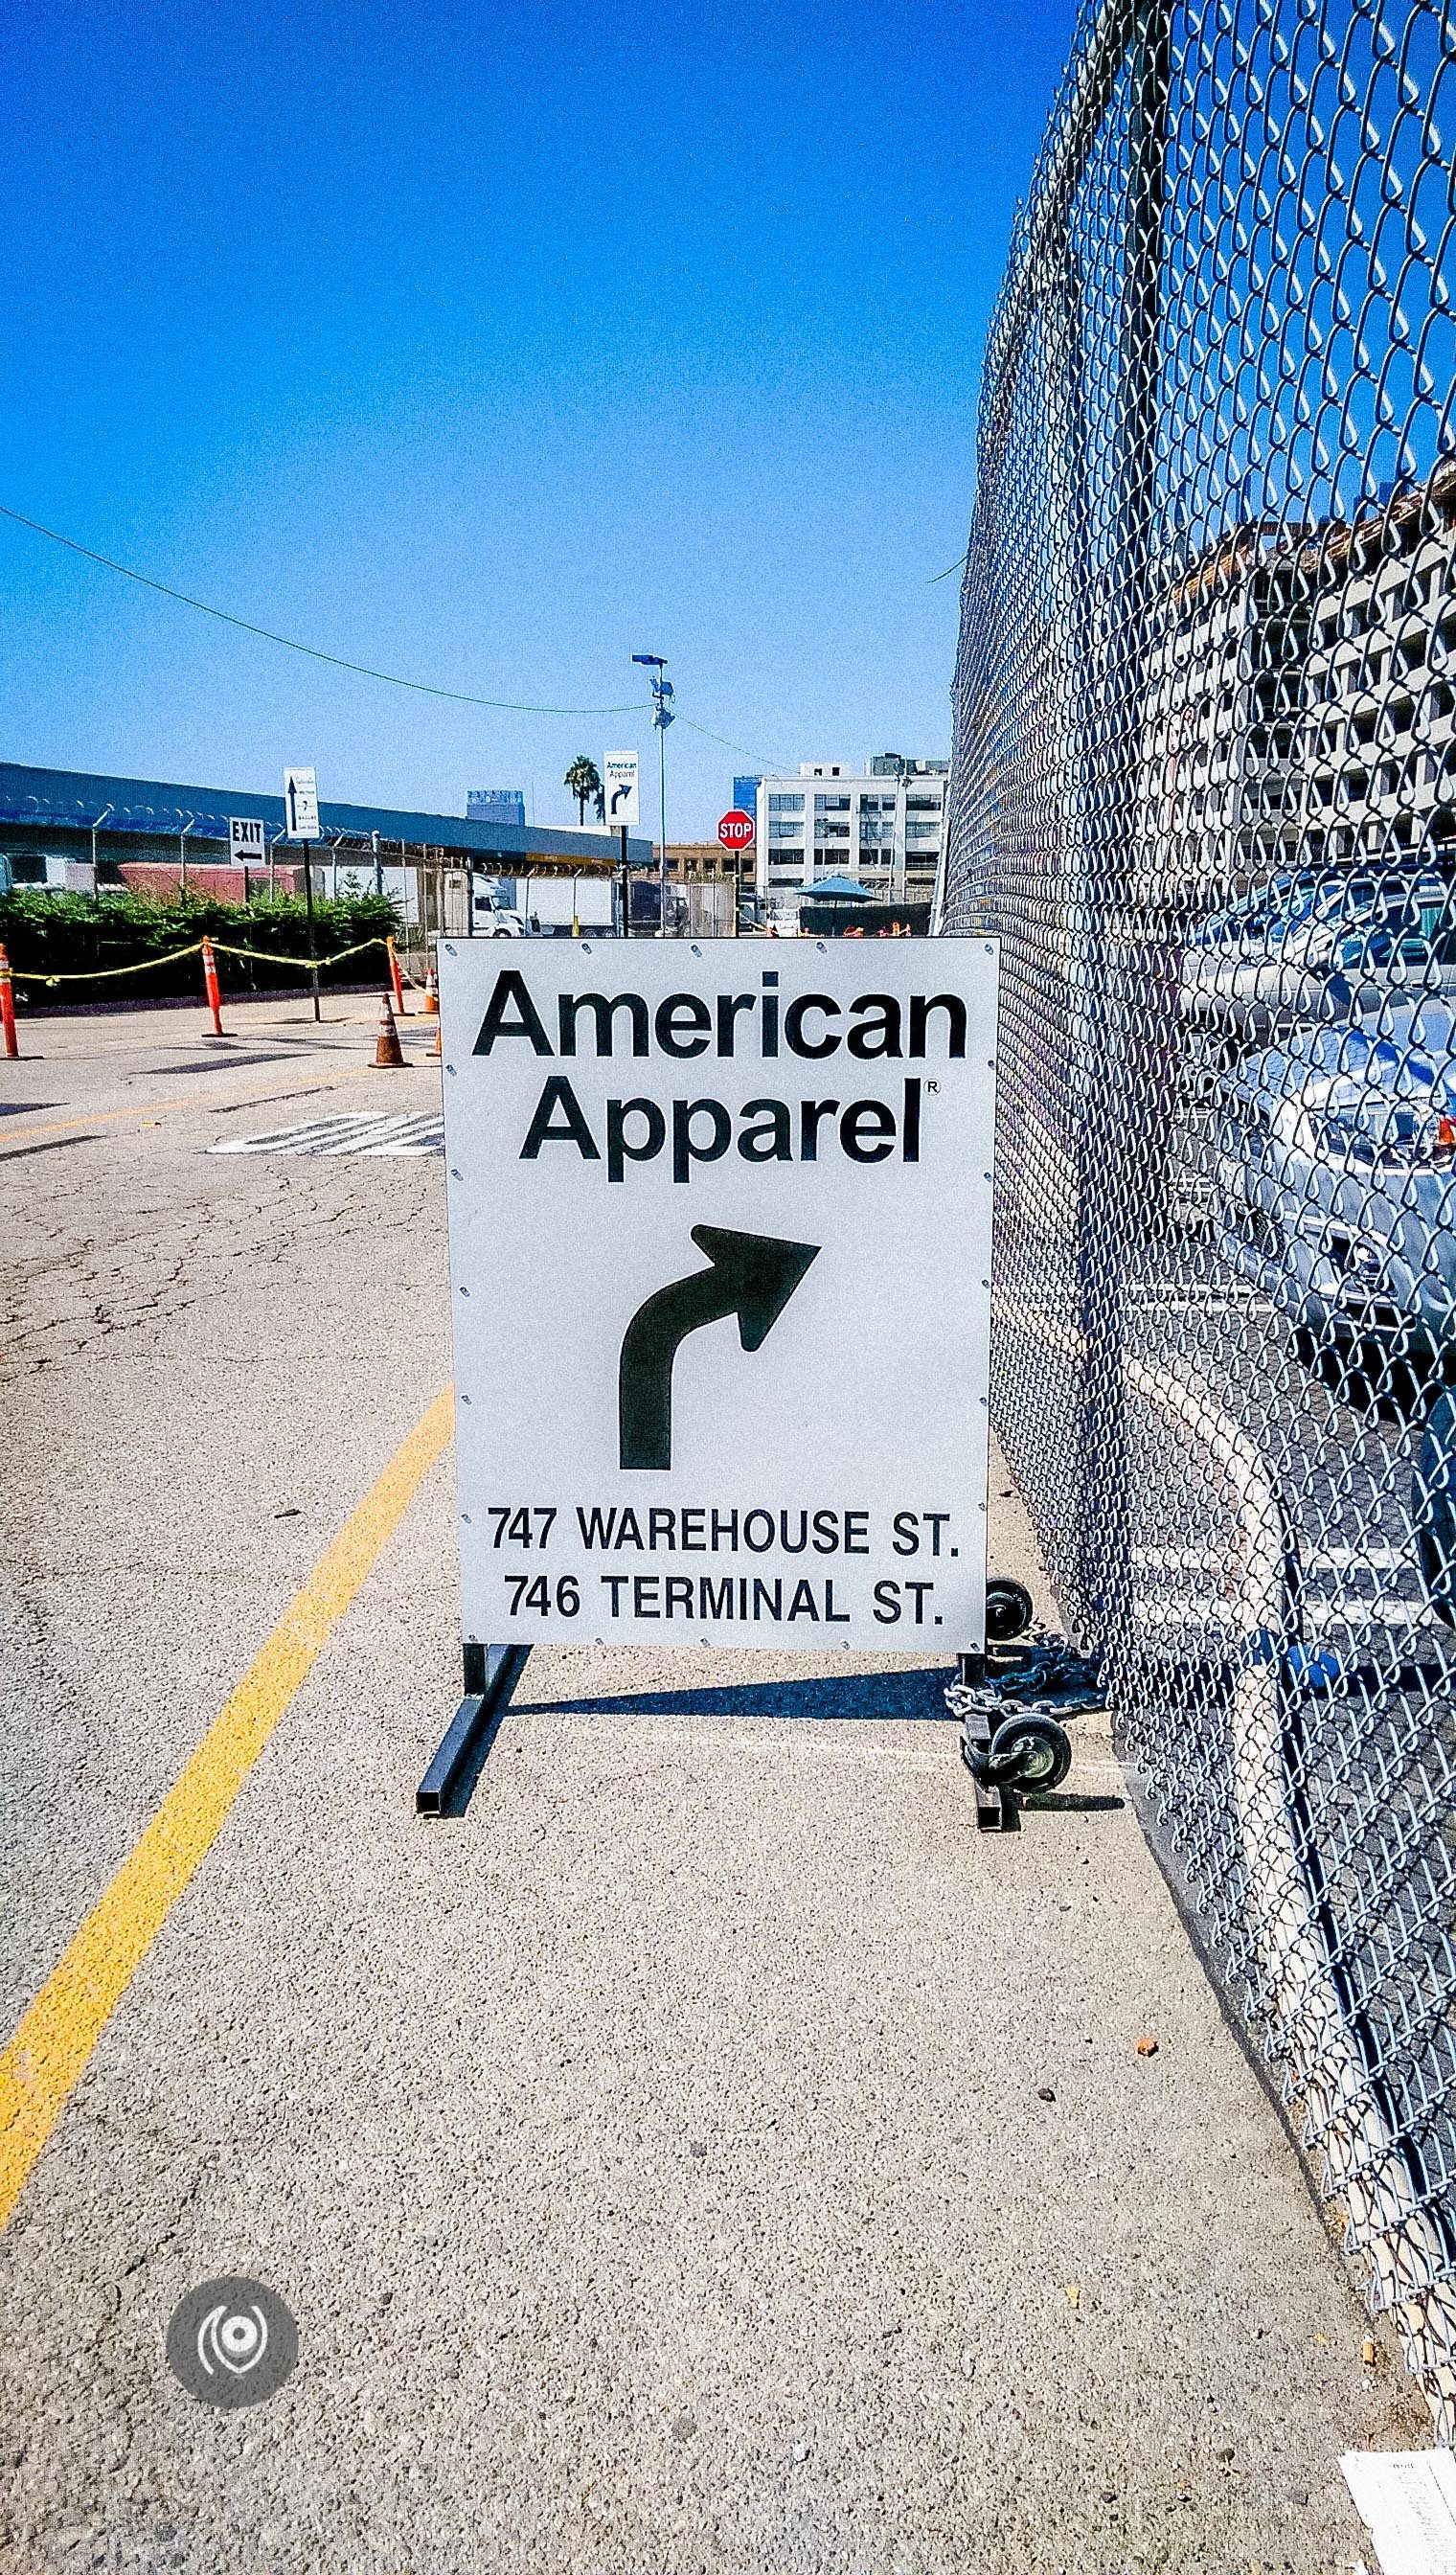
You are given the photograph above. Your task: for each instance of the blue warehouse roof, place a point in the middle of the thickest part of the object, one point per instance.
(73, 799)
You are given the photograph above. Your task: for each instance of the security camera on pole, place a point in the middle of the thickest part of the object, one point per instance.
(663, 712)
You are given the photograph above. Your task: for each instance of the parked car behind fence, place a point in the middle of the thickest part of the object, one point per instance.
(1335, 1191)
(1321, 944)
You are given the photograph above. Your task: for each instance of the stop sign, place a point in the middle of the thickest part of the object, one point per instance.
(735, 829)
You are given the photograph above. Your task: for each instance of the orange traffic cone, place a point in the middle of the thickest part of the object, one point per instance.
(430, 1007)
(7, 1008)
(388, 1050)
(436, 1051)
(212, 988)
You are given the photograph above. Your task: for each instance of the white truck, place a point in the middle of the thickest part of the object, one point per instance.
(545, 907)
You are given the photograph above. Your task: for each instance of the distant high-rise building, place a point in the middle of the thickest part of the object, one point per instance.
(495, 805)
(745, 794)
(893, 763)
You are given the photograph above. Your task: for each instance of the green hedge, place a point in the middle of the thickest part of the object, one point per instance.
(78, 933)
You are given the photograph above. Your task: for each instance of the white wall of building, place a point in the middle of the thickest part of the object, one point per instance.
(833, 820)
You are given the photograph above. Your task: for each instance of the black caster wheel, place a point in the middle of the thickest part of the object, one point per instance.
(1032, 1754)
(1009, 1610)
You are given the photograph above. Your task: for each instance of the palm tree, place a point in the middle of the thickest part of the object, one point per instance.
(583, 780)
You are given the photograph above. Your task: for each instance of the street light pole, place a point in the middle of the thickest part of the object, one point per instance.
(662, 710)
(182, 849)
(662, 722)
(95, 827)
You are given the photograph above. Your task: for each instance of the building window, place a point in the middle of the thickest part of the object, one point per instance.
(922, 831)
(785, 832)
(786, 803)
(831, 804)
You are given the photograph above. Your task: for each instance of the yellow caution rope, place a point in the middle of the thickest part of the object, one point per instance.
(265, 957)
(261, 955)
(102, 973)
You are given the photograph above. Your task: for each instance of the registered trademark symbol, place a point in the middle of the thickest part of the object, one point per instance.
(932, 1086)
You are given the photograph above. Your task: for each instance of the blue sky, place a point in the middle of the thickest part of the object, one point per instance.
(490, 345)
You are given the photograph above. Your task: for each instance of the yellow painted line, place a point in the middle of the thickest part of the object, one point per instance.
(52, 2045)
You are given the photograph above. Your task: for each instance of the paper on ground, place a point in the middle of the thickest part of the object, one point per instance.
(1408, 2498)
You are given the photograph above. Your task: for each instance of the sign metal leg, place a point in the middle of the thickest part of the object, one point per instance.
(996, 1810)
(491, 1674)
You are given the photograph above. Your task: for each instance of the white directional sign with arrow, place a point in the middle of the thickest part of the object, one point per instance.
(247, 840)
(719, 1219)
(619, 788)
(301, 805)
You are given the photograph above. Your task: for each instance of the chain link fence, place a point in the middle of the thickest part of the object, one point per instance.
(1205, 790)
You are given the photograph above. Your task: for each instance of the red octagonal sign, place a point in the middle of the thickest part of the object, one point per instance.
(735, 829)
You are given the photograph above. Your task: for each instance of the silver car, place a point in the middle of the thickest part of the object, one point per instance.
(1335, 1191)
(1320, 946)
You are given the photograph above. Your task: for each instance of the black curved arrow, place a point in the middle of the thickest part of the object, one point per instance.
(752, 1275)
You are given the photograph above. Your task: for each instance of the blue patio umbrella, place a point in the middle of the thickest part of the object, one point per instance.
(838, 889)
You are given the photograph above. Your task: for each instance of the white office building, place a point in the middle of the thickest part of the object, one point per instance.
(879, 826)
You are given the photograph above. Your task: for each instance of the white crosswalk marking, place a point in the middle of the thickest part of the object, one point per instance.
(377, 1132)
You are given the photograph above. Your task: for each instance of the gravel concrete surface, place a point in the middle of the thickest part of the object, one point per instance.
(707, 2154)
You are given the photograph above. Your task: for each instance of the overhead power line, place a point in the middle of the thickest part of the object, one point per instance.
(290, 644)
(774, 768)
(361, 670)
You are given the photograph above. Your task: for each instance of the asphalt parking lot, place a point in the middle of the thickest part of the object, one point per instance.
(707, 2152)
